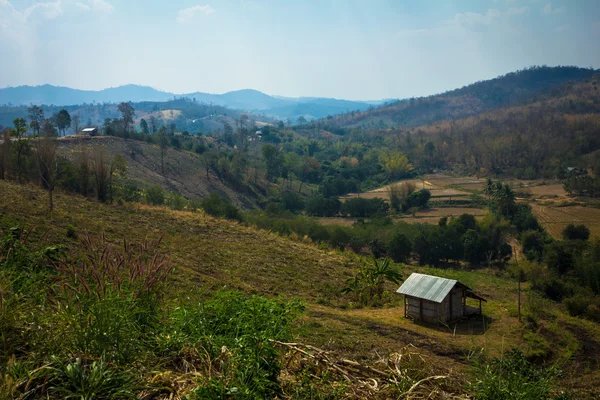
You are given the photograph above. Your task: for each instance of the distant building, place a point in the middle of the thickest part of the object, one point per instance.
(433, 299)
(90, 131)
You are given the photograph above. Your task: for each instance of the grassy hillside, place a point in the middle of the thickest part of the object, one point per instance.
(517, 88)
(184, 170)
(210, 254)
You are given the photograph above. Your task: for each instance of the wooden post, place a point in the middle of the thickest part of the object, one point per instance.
(421, 309)
(450, 304)
(405, 307)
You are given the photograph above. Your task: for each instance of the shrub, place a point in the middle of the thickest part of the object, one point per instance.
(176, 201)
(399, 248)
(340, 237)
(237, 331)
(512, 377)
(576, 232)
(291, 201)
(218, 206)
(71, 233)
(155, 195)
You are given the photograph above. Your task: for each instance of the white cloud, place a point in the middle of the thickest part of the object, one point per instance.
(187, 14)
(96, 6)
(548, 9)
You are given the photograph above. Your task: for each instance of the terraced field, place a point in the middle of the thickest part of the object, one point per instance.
(554, 219)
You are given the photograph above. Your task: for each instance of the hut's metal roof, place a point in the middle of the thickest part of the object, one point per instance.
(427, 287)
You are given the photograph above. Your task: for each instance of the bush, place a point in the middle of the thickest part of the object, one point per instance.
(218, 206)
(340, 237)
(364, 208)
(155, 195)
(237, 331)
(176, 201)
(576, 232)
(321, 206)
(512, 377)
(399, 248)
(291, 201)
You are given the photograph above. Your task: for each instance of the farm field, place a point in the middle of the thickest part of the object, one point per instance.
(554, 219)
(433, 215)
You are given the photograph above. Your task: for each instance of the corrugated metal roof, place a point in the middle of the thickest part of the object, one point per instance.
(88, 129)
(427, 287)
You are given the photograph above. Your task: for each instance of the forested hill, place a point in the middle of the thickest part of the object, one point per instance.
(513, 89)
(541, 139)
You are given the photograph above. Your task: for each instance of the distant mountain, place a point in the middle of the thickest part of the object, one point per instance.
(513, 89)
(246, 99)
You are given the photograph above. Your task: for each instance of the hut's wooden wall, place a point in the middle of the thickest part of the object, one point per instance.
(450, 309)
(431, 310)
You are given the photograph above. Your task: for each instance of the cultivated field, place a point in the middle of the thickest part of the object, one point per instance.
(554, 219)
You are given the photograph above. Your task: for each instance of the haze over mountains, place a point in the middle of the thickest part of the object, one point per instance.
(246, 99)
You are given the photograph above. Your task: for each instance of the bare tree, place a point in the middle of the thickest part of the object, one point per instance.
(76, 123)
(163, 142)
(5, 153)
(83, 162)
(46, 148)
(36, 118)
(22, 144)
(101, 172)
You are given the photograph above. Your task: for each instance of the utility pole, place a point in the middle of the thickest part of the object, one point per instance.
(516, 255)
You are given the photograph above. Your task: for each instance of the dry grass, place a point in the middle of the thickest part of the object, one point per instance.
(554, 219)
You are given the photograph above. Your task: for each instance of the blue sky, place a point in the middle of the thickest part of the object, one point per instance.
(345, 49)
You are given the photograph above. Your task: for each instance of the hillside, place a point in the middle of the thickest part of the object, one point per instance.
(210, 254)
(513, 89)
(540, 139)
(184, 170)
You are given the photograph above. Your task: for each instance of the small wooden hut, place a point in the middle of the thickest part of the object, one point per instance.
(433, 299)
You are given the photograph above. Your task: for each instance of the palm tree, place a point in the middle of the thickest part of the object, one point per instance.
(505, 197)
(488, 189)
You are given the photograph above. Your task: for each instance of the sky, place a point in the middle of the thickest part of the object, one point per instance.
(352, 49)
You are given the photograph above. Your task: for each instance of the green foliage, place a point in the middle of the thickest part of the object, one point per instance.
(155, 195)
(237, 330)
(218, 206)
(321, 206)
(513, 377)
(364, 208)
(369, 282)
(576, 232)
(175, 201)
(83, 380)
(399, 248)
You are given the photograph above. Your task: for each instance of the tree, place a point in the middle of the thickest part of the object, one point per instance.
(63, 121)
(488, 189)
(46, 148)
(505, 199)
(163, 141)
(576, 232)
(396, 164)
(273, 160)
(127, 113)
(101, 171)
(301, 120)
(144, 127)
(21, 144)
(36, 118)
(5, 153)
(118, 166)
(153, 123)
(399, 248)
(155, 195)
(82, 161)
(76, 123)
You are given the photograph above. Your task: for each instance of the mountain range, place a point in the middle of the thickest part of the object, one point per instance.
(246, 99)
